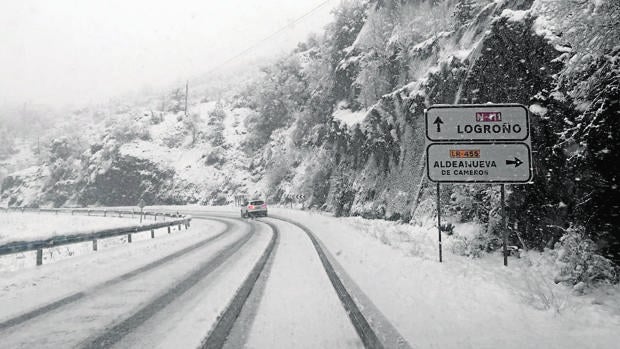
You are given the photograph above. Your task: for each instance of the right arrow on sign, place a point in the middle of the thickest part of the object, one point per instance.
(438, 122)
(515, 162)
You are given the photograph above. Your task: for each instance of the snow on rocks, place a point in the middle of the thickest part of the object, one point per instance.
(348, 117)
(538, 109)
(515, 15)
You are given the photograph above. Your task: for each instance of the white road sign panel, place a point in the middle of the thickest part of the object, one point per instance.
(477, 122)
(479, 162)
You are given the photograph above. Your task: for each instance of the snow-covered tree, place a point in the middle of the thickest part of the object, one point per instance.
(176, 101)
(215, 124)
(464, 12)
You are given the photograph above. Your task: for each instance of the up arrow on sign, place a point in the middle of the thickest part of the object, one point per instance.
(477, 123)
(438, 122)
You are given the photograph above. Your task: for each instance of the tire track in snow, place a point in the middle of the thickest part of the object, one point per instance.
(118, 331)
(359, 321)
(45, 309)
(222, 329)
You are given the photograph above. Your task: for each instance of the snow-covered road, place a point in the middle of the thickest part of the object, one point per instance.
(109, 308)
(173, 292)
(317, 279)
(299, 307)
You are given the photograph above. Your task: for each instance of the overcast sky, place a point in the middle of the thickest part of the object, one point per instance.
(76, 52)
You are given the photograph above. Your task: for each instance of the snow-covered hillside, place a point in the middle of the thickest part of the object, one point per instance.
(338, 125)
(195, 158)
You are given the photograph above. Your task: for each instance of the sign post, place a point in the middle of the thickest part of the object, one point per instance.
(141, 204)
(504, 227)
(439, 221)
(478, 143)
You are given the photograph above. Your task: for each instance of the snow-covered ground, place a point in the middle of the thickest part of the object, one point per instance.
(463, 302)
(313, 316)
(185, 320)
(391, 269)
(29, 226)
(26, 288)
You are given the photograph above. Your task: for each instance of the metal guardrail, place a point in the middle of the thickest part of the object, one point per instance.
(39, 245)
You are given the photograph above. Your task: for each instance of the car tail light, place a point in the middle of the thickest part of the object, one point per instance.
(251, 207)
(263, 205)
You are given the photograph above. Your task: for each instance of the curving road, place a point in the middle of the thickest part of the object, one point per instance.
(229, 283)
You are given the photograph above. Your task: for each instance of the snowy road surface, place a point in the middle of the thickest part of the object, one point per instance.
(107, 310)
(172, 292)
(185, 289)
(299, 307)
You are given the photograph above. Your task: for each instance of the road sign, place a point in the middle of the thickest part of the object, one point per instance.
(479, 162)
(478, 143)
(477, 122)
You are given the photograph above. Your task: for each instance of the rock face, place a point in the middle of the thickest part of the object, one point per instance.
(508, 53)
(509, 64)
(24, 187)
(125, 183)
(128, 181)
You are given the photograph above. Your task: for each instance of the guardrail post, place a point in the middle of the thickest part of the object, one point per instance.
(155, 217)
(168, 229)
(88, 214)
(152, 234)
(95, 245)
(179, 226)
(105, 212)
(72, 212)
(120, 214)
(40, 256)
(129, 238)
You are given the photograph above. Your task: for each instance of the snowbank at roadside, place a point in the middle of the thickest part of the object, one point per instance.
(28, 226)
(463, 302)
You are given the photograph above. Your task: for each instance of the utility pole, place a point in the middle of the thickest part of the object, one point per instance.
(186, 91)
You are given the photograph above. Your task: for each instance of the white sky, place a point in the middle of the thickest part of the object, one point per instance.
(75, 51)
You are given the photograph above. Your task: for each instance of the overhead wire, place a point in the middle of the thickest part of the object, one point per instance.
(268, 37)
